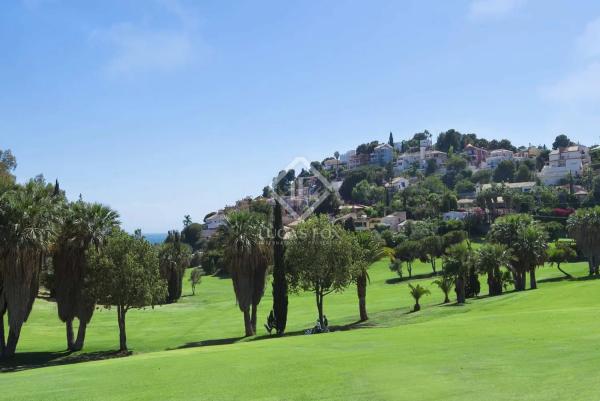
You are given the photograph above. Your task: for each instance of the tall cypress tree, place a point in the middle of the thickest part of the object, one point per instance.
(391, 140)
(280, 290)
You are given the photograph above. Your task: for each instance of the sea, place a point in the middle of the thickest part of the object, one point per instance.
(155, 238)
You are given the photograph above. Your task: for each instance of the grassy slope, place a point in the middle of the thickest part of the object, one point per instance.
(542, 344)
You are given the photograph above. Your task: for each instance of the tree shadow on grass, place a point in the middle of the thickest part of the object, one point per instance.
(32, 360)
(397, 280)
(232, 340)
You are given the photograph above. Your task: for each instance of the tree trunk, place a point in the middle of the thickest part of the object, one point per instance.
(409, 267)
(280, 287)
(122, 331)
(69, 328)
(433, 265)
(11, 344)
(532, 281)
(446, 299)
(2, 341)
(519, 278)
(460, 290)
(361, 289)
(253, 318)
(78, 346)
(248, 323)
(417, 307)
(320, 308)
(562, 271)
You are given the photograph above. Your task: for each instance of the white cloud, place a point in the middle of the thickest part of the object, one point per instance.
(581, 85)
(486, 9)
(139, 48)
(588, 43)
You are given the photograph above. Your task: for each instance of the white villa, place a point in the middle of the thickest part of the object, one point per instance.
(565, 161)
(497, 156)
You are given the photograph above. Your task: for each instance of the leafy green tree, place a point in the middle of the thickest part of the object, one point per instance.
(523, 174)
(247, 257)
(432, 247)
(584, 227)
(319, 258)
(368, 249)
(464, 186)
(431, 167)
(561, 141)
(417, 292)
(481, 177)
(445, 283)
(84, 226)
(192, 235)
(187, 220)
(561, 252)
(406, 252)
(8, 163)
(125, 275)
(196, 278)
(505, 172)
(28, 217)
(449, 139)
(174, 257)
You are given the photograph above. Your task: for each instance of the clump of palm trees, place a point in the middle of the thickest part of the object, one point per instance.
(84, 226)
(247, 256)
(28, 217)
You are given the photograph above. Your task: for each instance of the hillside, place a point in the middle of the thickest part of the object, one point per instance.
(542, 344)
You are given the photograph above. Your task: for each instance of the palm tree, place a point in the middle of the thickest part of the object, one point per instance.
(562, 252)
(445, 284)
(368, 250)
(527, 243)
(417, 292)
(85, 226)
(584, 227)
(27, 226)
(247, 255)
(489, 259)
(174, 258)
(457, 263)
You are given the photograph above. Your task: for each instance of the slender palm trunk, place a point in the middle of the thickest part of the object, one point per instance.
(2, 341)
(519, 279)
(121, 312)
(319, 296)
(248, 323)
(532, 280)
(361, 289)
(417, 306)
(460, 290)
(562, 271)
(78, 346)
(69, 328)
(11, 343)
(253, 318)
(446, 298)
(280, 288)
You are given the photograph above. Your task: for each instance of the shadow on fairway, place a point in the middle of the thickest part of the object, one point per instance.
(227, 341)
(398, 280)
(33, 360)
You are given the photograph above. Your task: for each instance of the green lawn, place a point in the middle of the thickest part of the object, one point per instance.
(535, 345)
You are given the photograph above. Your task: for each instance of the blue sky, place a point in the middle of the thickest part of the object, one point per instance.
(164, 108)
